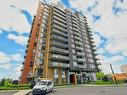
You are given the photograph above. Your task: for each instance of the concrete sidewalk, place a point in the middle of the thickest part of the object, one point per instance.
(23, 92)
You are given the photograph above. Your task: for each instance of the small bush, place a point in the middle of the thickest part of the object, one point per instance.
(15, 87)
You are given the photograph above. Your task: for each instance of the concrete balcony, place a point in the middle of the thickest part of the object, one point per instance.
(59, 44)
(80, 54)
(58, 50)
(79, 48)
(81, 60)
(59, 19)
(59, 38)
(78, 38)
(59, 15)
(75, 29)
(79, 43)
(59, 64)
(82, 66)
(60, 57)
(59, 28)
(55, 31)
(59, 23)
(59, 11)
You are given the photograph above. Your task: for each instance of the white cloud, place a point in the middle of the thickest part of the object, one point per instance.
(11, 19)
(18, 39)
(101, 51)
(5, 59)
(17, 57)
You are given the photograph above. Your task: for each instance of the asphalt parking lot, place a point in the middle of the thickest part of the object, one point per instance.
(95, 90)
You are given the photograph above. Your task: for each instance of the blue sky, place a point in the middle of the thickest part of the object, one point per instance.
(107, 19)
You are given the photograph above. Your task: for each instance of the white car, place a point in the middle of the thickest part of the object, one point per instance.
(42, 87)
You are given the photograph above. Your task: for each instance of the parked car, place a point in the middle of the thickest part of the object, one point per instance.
(42, 87)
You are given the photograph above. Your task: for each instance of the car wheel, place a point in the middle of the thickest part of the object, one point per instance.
(45, 92)
(52, 89)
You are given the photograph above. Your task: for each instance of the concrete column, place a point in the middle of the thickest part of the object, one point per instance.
(60, 76)
(75, 79)
(67, 76)
(81, 78)
(51, 73)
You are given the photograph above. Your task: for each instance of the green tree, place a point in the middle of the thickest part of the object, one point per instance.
(2, 82)
(99, 75)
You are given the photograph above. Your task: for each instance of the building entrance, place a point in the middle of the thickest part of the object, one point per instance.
(72, 78)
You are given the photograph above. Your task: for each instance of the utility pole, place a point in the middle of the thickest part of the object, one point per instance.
(113, 74)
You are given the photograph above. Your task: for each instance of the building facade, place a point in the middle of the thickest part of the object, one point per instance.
(124, 68)
(60, 47)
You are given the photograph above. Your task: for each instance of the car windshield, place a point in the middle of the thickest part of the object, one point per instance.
(42, 82)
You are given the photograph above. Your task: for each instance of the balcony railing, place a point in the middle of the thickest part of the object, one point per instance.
(59, 15)
(82, 66)
(78, 38)
(59, 28)
(59, 23)
(59, 11)
(57, 18)
(59, 38)
(56, 56)
(79, 48)
(79, 43)
(77, 34)
(59, 50)
(56, 43)
(59, 32)
(57, 64)
(81, 60)
(75, 29)
(80, 53)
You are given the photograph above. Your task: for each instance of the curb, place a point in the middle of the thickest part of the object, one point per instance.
(89, 86)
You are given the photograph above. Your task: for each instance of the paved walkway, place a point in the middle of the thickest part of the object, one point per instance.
(23, 92)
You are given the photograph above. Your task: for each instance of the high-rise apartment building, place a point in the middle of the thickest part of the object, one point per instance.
(60, 47)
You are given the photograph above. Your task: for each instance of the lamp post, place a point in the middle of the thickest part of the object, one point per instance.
(113, 74)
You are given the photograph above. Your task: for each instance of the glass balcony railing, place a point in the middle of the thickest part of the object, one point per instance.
(76, 26)
(59, 32)
(79, 43)
(59, 23)
(59, 15)
(82, 66)
(57, 64)
(75, 29)
(59, 11)
(59, 19)
(80, 53)
(59, 28)
(81, 60)
(78, 38)
(79, 48)
(59, 44)
(56, 56)
(59, 50)
(77, 34)
(59, 38)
